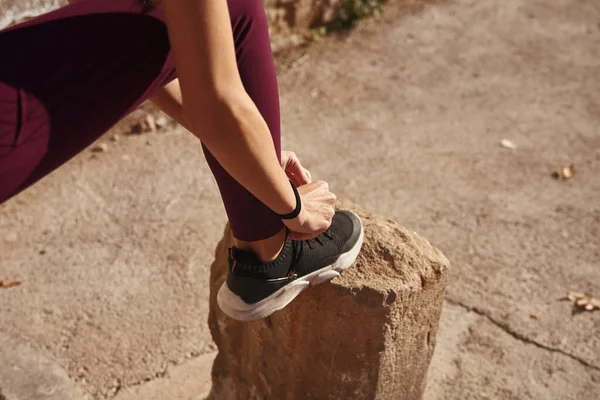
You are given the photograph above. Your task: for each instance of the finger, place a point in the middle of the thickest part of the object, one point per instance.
(293, 166)
(333, 199)
(308, 175)
(297, 182)
(285, 156)
(291, 158)
(322, 185)
(303, 177)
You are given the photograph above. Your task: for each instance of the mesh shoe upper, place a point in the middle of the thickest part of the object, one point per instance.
(253, 280)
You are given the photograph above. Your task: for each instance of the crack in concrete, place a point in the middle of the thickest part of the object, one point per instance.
(518, 335)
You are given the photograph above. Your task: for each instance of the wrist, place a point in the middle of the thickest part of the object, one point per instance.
(297, 208)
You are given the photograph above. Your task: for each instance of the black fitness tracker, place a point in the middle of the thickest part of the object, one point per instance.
(296, 211)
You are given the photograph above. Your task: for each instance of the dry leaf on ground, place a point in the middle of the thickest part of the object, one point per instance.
(508, 144)
(6, 283)
(564, 173)
(584, 301)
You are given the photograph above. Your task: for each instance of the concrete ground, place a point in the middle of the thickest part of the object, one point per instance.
(404, 116)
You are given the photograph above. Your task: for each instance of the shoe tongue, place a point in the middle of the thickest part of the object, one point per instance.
(245, 256)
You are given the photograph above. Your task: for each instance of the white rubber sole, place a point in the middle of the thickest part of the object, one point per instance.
(234, 307)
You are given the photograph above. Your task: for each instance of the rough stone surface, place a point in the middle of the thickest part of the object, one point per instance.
(368, 334)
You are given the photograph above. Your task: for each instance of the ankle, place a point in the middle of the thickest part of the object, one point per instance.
(267, 249)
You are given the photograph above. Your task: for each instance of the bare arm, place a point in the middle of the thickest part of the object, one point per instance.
(215, 106)
(168, 99)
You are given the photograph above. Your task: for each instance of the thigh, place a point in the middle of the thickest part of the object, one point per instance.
(70, 76)
(18, 156)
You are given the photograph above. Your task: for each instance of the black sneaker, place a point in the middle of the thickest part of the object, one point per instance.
(255, 290)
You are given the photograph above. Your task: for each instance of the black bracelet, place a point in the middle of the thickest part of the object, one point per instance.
(296, 211)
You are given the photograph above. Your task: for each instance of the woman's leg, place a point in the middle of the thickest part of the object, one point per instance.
(77, 71)
(67, 76)
(250, 219)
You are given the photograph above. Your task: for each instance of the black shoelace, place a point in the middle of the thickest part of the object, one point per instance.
(311, 244)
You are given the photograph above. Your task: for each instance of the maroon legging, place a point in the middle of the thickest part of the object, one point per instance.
(68, 76)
